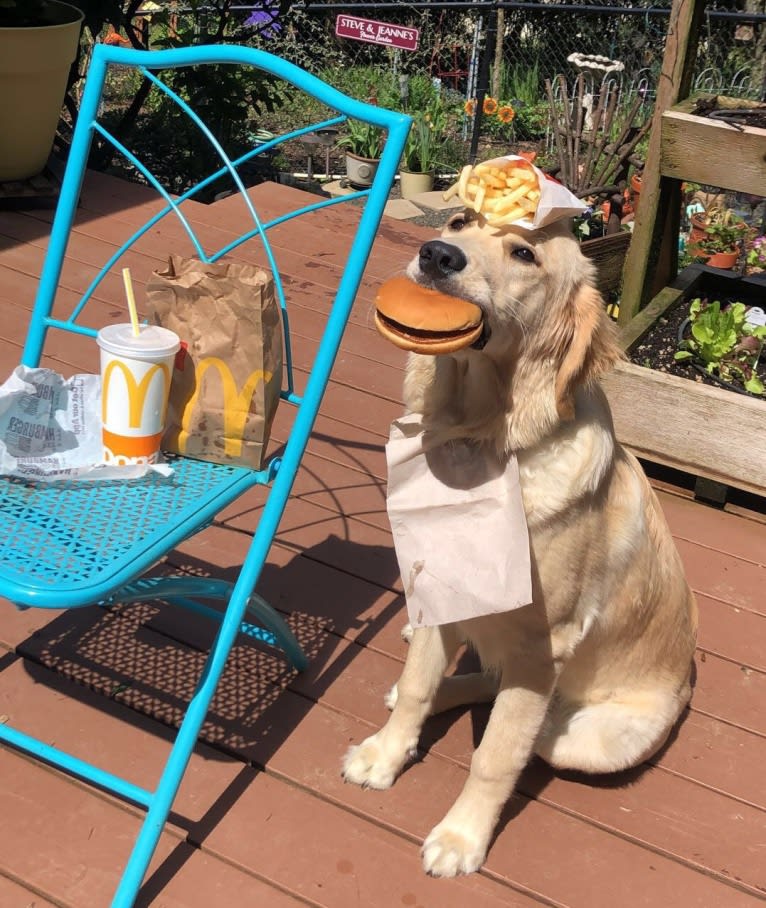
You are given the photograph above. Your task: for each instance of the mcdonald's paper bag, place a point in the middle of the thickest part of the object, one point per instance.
(459, 527)
(228, 373)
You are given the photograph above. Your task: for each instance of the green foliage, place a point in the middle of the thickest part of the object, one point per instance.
(362, 139)
(725, 343)
(521, 83)
(723, 236)
(368, 83)
(229, 99)
(423, 145)
(532, 120)
(423, 149)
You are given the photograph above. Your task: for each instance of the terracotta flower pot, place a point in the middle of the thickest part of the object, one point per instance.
(698, 225)
(636, 184)
(725, 260)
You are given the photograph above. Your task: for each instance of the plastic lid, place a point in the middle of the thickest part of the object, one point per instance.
(152, 342)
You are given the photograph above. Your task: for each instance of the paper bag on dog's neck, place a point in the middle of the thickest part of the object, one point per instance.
(459, 527)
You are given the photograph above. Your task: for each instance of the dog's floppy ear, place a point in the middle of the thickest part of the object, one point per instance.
(593, 349)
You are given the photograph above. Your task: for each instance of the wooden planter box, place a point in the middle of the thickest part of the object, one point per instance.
(712, 152)
(608, 253)
(700, 429)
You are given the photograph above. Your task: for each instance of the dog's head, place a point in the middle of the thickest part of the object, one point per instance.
(542, 313)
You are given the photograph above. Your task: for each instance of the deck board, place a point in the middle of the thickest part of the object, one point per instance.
(263, 817)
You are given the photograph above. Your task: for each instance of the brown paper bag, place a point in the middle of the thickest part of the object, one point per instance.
(228, 373)
(459, 528)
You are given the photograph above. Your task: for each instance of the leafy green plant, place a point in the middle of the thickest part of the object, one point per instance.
(723, 236)
(362, 139)
(425, 139)
(725, 343)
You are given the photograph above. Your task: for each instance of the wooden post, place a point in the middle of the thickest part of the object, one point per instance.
(652, 259)
(483, 82)
(497, 69)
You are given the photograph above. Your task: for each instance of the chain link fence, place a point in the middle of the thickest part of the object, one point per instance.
(518, 60)
(536, 41)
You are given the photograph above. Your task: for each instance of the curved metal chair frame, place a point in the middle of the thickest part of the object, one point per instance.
(76, 544)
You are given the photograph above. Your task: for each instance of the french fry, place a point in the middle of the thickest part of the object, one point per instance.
(503, 192)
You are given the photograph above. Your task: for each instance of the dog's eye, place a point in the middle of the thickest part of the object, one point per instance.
(524, 253)
(457, 222)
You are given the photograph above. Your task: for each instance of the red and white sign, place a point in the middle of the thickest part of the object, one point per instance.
(374, 32)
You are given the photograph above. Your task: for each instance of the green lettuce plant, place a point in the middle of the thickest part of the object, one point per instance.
(725, 343)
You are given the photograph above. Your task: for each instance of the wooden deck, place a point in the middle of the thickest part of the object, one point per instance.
(263, 819)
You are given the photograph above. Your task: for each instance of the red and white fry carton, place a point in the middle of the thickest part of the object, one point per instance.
(529, 198)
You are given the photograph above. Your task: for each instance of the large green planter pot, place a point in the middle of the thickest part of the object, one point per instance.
(34, 67)
(412, 182)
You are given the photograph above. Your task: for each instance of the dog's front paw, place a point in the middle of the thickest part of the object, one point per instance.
(389, 701)
(449, 851)
(371, 766)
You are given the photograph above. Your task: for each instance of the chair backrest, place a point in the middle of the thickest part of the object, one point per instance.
(334, 109)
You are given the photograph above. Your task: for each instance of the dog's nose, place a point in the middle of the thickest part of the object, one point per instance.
(438, 259)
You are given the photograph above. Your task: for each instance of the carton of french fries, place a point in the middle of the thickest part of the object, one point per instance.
(511, 190)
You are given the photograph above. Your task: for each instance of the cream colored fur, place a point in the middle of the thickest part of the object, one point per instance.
(594, 673)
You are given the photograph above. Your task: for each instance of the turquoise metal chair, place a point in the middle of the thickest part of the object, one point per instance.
(67, 545)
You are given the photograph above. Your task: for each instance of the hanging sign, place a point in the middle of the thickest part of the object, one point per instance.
(373, 32)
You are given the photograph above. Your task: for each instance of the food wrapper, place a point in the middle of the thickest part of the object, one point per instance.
(50, 429)
(458, 525)
(511, 190)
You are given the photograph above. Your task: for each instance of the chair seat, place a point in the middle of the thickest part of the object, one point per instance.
(71, 544)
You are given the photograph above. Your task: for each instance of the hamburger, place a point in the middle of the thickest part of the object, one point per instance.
(423, 320)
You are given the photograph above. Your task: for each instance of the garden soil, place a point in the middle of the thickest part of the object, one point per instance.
(657, 350)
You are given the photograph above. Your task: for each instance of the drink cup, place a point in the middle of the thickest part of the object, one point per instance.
(136, 371)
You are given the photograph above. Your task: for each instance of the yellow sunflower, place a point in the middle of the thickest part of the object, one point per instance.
(470, 108)
(506, 113)
(490, 106)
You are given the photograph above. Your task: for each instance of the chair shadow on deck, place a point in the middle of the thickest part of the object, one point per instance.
(147, 657)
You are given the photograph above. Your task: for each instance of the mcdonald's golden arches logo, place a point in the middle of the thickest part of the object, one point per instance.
(137, 390)
(236, 403)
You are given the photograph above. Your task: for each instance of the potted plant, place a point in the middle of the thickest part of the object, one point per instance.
(38, 42)
(721, 243)
(421, 151)
(363, 143)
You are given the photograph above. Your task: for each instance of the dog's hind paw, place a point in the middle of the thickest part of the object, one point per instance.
(370, 766)
(447, 852)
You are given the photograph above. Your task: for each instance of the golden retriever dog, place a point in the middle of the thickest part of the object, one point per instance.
(593, 674)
